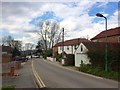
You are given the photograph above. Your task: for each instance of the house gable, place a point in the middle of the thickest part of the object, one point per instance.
(81, 56)
(81, 49)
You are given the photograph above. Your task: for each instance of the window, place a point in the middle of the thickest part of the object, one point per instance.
(67, 47)
(81, 61)
(81, 48)
(75, 47)
(60, 47)
(119, 39)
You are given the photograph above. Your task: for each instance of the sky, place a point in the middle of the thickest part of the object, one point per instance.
(78, 18)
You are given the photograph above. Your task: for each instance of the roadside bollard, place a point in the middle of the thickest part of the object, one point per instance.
(11, 71)
(18, 65)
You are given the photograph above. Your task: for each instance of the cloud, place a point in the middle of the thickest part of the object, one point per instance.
(16, 18)
(113, 20)
(33, 38)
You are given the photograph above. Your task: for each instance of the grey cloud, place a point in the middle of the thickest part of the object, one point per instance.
(31, 31)
(18, 8)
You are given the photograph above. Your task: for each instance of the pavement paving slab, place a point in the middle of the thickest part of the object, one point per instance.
(24, 77)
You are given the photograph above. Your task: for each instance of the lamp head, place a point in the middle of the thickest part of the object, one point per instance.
(99, 15)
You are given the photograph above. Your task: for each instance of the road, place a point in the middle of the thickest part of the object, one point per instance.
(55, 76)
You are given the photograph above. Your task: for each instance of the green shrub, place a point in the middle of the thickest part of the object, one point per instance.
(44, 56)
(47, 53)
(58, 57)
(8, 87)
(97, 58)
(99, 72)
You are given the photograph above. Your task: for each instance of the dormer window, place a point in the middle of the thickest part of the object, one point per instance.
(81, 48)
(75, 47)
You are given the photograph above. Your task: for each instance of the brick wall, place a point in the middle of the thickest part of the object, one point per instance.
(109, 39)
(6, 58)
(55, 51)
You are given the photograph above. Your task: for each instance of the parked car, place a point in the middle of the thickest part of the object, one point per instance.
(23, 59)
(34, 56)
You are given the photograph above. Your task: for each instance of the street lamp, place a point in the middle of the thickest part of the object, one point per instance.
(106, 45)
(62, 45)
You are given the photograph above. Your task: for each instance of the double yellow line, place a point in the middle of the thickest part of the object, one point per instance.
(38, 80)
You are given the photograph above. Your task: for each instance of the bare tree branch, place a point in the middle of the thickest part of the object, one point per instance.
(48, 31)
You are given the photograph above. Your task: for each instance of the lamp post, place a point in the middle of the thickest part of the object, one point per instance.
(62, 45)
(106, 45)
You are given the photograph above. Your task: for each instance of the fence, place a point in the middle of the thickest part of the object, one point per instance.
(6, 67)
(8, 70)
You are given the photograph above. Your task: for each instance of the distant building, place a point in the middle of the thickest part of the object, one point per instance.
(113, 35)
(6, 53)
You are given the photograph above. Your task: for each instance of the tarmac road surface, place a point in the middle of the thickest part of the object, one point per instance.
(54, 76)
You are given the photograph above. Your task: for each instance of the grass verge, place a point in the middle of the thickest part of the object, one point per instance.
(98, 72)
(8, 87)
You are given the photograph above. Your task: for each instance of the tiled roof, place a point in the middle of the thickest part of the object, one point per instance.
(101, 45)
(109, 33)
(72, 42)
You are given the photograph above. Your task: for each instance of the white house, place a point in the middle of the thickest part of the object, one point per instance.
(70, 49)
(70, 46)
(81, 55)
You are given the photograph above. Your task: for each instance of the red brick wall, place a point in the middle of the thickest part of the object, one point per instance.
(6, 58)
(55, 51)
(109, 39)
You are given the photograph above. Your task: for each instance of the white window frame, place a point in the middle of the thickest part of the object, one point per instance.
(118, 38)
(67, 47)
(60, 47)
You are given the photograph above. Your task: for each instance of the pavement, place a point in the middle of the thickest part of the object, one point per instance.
(66, 67)
(23, 77)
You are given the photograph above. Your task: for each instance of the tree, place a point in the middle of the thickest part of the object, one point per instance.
(49, 33)
(9, 41)
(15, 52)
(39, 47)
(29, 46)
(15, 44)
(29, 49)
